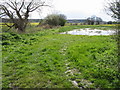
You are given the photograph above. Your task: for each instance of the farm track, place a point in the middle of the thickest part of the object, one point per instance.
(72, 71)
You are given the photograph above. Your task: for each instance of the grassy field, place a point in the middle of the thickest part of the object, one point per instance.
(47, 59)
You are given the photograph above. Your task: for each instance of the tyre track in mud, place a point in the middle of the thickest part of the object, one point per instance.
(77, 83)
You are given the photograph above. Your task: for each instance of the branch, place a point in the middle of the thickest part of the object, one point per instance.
(29, 4)
(11, 6)
(7, 12)
(2, 15)
(10, 26)
(13, 3)
(33, 9)
(21, 5)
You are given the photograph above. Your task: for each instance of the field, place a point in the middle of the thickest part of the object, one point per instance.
(43, 58)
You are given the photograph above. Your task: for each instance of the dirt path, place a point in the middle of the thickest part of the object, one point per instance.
(70, 72)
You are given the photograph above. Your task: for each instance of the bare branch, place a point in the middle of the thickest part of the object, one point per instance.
(13, 3)
(113, 9)
(33, 9)
(10, 6)
(21, 5)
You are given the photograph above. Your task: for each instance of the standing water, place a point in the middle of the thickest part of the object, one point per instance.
(90, 32)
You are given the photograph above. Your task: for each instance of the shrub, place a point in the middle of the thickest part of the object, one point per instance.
(55, 20)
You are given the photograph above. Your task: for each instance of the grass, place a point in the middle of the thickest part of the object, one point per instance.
(38, 60)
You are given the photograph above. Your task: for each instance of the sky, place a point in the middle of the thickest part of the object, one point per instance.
(76, 9)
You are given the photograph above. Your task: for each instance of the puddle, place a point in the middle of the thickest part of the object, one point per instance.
(90, 32)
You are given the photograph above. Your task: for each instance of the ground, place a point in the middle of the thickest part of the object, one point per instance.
(47, 59)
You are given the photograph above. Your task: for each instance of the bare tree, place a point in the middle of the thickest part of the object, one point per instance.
(113, 9)
(18, 11)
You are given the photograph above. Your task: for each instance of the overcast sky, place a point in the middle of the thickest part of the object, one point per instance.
(77, 9)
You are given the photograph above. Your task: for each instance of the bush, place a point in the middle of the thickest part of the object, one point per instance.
(55, 20)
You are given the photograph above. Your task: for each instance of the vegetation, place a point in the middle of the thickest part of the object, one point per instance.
(55, 20)
(93, 20)
(46, 59)
(113, 9)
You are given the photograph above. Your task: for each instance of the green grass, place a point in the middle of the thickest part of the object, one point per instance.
(38, 60)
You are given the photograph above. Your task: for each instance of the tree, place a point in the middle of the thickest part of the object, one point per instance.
(94, 20)
(55, 20)
(113, 9)
(62, 19)
(18, 11)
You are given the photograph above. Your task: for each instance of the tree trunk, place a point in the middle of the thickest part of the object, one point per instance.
(21, 25)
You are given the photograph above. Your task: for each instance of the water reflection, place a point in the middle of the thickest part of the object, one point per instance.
(90, 32)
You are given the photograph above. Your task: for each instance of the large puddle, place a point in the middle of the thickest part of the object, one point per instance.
(90, 32)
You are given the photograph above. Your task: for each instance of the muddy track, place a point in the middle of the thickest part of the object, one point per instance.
(77, 83)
